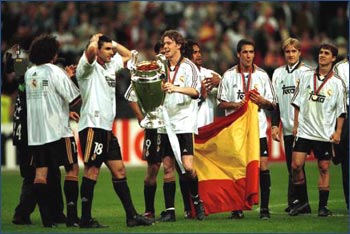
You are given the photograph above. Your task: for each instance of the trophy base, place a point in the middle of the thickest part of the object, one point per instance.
(151, 123)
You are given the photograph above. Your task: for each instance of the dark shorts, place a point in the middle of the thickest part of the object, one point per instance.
(264, 151)
(185, 141)
(57, 153)
(98, 146)
(151, 146)
(322, 150)
(341, 150)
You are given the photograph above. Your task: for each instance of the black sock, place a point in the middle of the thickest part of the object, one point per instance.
(86, 195)
(299, 190)
(185, 193)
(291, 193)
(306, 197)
(169, 189)
(149, 192)
(42, 193)
(193, 188)
(122, 189)
(323, 198)
(265, 183)
(71, 191)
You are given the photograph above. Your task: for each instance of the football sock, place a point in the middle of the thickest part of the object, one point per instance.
(71, 191)
(185, 193)
(299, 190)
(265, 183)
(122, 189)
(323, 198)
(149, 191)
(193, 188)
(42, 194)
(86, 195)
(306, 197)
(291, 193)
(169, 189)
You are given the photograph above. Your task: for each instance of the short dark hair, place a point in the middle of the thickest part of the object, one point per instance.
(189, 48)
(103, 39)
(242, 43)
(331, 47)
(177, 37)
(43, 49)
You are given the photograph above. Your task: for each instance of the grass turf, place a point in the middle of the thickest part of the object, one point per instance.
(108, 209)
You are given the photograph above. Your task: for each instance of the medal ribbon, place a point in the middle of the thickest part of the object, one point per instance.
(176, 69)
(246, 88)
(329, 75)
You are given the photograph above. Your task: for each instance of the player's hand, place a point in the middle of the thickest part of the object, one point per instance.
(238, 105)
(275, 133)
(74, 116)
(335, 138)
(70, 70)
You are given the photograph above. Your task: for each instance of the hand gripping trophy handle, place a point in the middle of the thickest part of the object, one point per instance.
(162, 62)
(131, 64)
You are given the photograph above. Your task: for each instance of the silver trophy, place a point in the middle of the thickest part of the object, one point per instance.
(146, 79)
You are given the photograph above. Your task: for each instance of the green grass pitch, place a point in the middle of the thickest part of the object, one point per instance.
(108, 209)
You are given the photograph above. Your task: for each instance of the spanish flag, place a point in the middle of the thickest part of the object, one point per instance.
(226, 160)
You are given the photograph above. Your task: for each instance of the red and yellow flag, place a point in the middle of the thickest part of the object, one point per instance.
(227, 161)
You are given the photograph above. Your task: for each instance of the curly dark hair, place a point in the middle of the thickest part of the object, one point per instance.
(189, 48)
(43, 49)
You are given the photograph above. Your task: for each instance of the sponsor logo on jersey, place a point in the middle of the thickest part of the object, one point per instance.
(110, 81)
(288, 89)
(316, 97)
(240, 94)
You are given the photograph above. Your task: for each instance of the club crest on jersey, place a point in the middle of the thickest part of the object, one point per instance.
(256, 86)
(329, 92)
(34, 83)
(240, 94)
(182, 79)
(316, 97)
(288, 89)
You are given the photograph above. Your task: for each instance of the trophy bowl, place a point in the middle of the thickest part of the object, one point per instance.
(147, 81)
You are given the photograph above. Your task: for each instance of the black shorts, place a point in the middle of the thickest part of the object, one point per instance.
(341, 150)
(98, 146)
(57, 153)
(322, 150)
(185, 141)
(151, 146)
(264, 151)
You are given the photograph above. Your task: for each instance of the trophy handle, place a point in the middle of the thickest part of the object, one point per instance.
(162, 62)
(131, 64)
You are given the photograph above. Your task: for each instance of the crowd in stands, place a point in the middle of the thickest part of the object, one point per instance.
(217, 26)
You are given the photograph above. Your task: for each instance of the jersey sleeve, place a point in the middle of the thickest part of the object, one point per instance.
(223, 89)
(65, 86)
(130, 94)
(84, 68)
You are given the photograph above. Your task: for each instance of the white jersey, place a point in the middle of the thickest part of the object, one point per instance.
(284, 82)
(97, 87)
(207, 106)
(342, 70)
(231, 90)
(181, 108)
(317, 118)
(49, 91)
